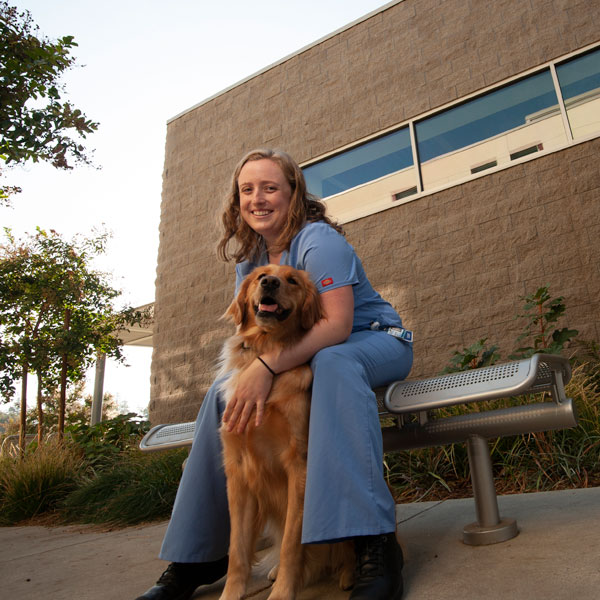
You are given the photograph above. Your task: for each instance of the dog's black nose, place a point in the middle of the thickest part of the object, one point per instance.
(269, 283)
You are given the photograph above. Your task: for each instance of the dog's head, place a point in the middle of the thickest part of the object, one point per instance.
(276, 299)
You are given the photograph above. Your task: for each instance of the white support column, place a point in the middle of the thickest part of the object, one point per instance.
(98, 390)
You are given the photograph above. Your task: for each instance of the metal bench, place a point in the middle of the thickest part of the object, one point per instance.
(413, 404)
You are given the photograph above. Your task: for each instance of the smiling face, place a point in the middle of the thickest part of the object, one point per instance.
(265, 197)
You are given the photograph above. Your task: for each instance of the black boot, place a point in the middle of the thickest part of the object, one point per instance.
(180, 580)
(379, 564)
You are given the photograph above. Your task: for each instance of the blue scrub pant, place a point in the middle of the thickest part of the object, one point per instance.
(346, 494)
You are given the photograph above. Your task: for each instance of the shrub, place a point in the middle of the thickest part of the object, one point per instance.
(138, 487)
(38, 482)
(103, 442)
(475, 356)
(542, 312)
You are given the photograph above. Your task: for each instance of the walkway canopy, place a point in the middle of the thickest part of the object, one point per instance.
(139, 335)
(136, 335)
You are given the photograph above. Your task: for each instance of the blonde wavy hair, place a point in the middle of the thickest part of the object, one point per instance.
(304, 207)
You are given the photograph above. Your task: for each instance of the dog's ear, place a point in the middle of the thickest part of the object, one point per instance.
(312, 309)
(238, 310)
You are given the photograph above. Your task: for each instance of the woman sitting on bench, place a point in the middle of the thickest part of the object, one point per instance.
(273, 219)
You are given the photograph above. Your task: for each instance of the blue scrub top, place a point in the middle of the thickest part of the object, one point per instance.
(331, 263)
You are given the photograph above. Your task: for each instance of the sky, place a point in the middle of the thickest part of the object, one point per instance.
(140, 63)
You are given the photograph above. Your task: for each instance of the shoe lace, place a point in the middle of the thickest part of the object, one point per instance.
(173, 575)
(370, 558)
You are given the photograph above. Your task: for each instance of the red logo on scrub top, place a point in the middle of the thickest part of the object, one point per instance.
(327, 282)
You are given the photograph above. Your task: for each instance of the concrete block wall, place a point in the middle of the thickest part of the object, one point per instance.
(453, 263)
(462, 259)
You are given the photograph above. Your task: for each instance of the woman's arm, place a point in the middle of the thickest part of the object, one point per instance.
(255, 382)
(338, 306)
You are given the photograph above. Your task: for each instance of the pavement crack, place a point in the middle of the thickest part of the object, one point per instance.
(421, 512)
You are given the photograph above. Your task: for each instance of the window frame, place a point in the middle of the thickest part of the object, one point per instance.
(364, 210)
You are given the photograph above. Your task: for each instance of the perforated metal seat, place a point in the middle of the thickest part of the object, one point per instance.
(535, 374)
(165, 437)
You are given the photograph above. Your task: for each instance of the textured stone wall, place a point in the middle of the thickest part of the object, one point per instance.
(453, 263)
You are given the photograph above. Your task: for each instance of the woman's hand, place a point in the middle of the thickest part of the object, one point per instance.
(251, 392)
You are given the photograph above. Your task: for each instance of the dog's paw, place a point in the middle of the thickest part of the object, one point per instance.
(282, 592)
(231, 595)
(346, 581)
(273, 573)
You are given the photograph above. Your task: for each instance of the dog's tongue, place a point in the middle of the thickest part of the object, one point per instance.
(267, 307)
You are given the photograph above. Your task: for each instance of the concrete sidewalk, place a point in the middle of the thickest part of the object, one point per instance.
(556, 556)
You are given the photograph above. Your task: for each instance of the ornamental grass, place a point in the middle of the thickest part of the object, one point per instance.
(137, 488)
(37, 483)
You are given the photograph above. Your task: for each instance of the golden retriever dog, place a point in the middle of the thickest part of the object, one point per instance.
(266, 466)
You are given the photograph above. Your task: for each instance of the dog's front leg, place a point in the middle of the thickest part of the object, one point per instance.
(289, 573)
(243, 516)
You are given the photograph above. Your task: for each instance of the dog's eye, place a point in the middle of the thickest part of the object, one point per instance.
(292, 281)
(261, 276)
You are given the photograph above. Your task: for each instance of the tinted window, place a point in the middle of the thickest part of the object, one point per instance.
(484, 117)
(579, 81)
(490, 131)
(367, 162)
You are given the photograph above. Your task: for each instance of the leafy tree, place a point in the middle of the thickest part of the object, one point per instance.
(56, 315)
(35, 122)
(6, 421)
(78, 408)
(20, 323)
(78, 412)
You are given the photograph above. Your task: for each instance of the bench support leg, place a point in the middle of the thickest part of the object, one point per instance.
(489, 528)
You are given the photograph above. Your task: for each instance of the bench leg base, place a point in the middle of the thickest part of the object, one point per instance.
(478, 535)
